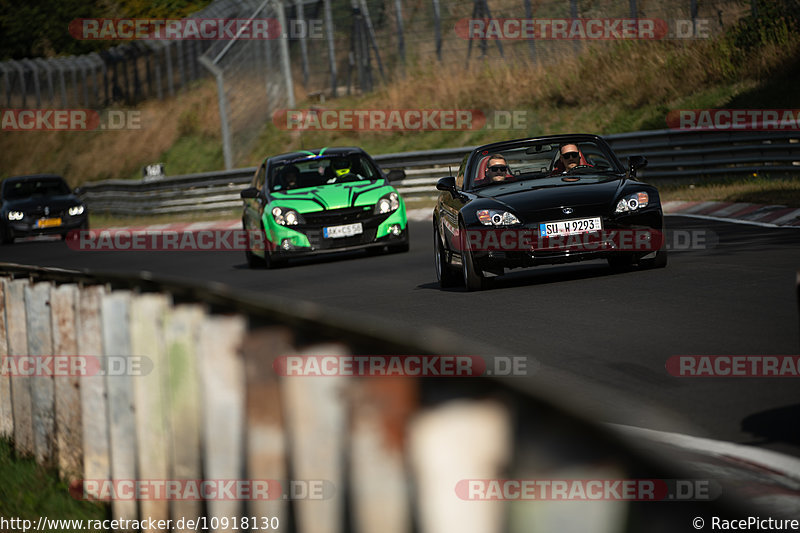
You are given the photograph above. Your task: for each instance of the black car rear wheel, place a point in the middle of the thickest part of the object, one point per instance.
(446, 276)
(474, 279)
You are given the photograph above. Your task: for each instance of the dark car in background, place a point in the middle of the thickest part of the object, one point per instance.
(539, 211)
(39, 204)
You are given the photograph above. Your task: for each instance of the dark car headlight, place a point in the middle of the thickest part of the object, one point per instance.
(632, 202)
(387, 204)
(76, 210)
(16, 215)
(495, 217)
(286, 217)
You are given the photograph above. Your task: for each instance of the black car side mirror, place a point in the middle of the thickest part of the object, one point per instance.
(250, 192)
(396, 175)
(447, 184)
(635, 162)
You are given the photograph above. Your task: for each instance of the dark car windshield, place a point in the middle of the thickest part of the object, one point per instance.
(320, 171)
(542, 160)
(17, 189)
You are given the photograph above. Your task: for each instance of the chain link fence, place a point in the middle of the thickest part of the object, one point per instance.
(253, 80)
(332, 47)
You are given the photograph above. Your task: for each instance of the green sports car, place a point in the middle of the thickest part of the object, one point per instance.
(321, 201)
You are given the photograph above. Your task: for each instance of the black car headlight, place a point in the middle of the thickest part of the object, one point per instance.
(75, 210)
(495, 217)
(286, 217)
(632, 202)
(16, 215)
(387, 204)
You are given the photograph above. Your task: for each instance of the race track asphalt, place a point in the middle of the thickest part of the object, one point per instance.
(601, 338)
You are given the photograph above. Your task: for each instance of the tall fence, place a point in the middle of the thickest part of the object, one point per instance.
(197, 394)
(121, 75)
(254, 79)
(331, 47)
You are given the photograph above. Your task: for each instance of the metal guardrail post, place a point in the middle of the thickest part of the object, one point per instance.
(284, 51)
(227, 150)
(331, 52)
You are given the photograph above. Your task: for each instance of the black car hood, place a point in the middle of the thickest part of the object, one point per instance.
(536, 195)
(33, 202)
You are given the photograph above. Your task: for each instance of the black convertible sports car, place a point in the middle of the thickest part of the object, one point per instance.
(40, 204)
(544, 200)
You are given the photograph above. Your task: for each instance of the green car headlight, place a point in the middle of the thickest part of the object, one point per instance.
(387, 204)
(286, 217)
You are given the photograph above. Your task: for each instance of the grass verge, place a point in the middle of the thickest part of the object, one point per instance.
(29, 491)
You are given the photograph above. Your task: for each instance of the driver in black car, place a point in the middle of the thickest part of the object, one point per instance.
(571, 156)
(497, 168)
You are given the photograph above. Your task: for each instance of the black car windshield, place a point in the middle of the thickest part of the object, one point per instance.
(566, 161)
(17, 189)
(320, 171)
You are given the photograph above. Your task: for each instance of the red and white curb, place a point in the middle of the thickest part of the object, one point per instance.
(743, 213)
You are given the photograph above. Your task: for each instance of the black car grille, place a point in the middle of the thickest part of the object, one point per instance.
(38, 212)
(556, 213)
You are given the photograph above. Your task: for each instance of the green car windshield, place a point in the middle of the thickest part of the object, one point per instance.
(321, 171)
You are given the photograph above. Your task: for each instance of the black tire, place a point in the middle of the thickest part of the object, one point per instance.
(273, 263)
(446, 276)
(399, 248)
(659, 261)
(253, 261)
(474, 279)
(5, 236)
(620, 262)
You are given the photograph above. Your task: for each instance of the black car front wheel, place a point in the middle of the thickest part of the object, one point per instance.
(474, 279)
(445, 274)
(5, 236)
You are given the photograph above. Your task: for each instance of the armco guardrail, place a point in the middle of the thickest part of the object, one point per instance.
(168, 384)
(672, 155)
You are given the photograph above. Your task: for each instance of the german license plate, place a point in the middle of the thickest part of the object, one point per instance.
(48, 222)
(570, 227)
(347, 230)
